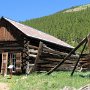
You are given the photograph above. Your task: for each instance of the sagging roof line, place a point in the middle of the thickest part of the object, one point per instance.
(31, 32)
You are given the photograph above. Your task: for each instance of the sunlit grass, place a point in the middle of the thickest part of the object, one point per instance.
(55, 81)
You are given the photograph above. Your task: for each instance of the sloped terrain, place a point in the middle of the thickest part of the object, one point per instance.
(70, 27)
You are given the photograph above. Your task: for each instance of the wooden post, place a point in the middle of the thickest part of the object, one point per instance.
(78, 59)
(89, 42)
(27, 68)
(73, 51)
(10, 67)
(4, 63)
(11, 73)
(38, 56)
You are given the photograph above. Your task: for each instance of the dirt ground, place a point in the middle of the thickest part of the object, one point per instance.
(4, 86)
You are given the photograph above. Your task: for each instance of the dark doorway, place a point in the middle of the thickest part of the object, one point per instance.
(0, 61)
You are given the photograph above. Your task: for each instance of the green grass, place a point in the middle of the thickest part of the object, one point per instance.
(55, 81)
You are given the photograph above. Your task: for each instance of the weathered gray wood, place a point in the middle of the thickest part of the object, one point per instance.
(38, 56)
(58, 56)
(18, 62)
(33, 47)
(33, 51)
(27, 68)
(32, 55)
(48, 51)
(47, 60)
(84, 40)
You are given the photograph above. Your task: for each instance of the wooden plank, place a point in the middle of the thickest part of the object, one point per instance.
(4, 63)
(59, 55)
(89, 42)
(33, 47)
(39, 69)
(56, 59)
(32, 55)
(32, 51)
(6, 35)
(78, 59)
(18, 62)
(51, 59)
(52, 65)
(46, 66)
(38, 56)
(51, 62)
(11, 48)
(56, 62)
(53, 52)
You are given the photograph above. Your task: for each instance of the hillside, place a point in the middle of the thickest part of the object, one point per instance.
(70, 27)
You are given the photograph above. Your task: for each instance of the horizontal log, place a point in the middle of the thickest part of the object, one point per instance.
(33, 47)
(84, 69)
(42, 69)
(46, 54)
(51, 51)
(51, 66)
(11, 48)
(86, 65)
(31, 65)
(10, 43)
(31, 55)
(84, 61)
(54, 63)
(51, 59)
(57, 60)
(64, 69)
(33, 51)
(46, 66)
(58, 69)
(55, 57)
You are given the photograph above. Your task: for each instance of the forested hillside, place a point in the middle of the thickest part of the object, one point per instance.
(70, 27)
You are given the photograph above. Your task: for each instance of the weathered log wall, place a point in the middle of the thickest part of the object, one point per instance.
(49, 58)
(29, 54)
(43, 58)
(84, 63)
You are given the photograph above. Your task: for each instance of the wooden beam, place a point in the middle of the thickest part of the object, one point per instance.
(38, 56)
(33, 47)
(32, 55)
(58, 56)
(33, 51)
(51, 60)
(78, 59)
(89, 42)
(84, 40)
(48, 51)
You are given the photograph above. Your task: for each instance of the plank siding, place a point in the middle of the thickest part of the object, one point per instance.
(5, 35)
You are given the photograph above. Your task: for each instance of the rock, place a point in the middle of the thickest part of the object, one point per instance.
(68, 88)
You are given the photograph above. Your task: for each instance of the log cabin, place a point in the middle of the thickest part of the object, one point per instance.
(21, 43)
